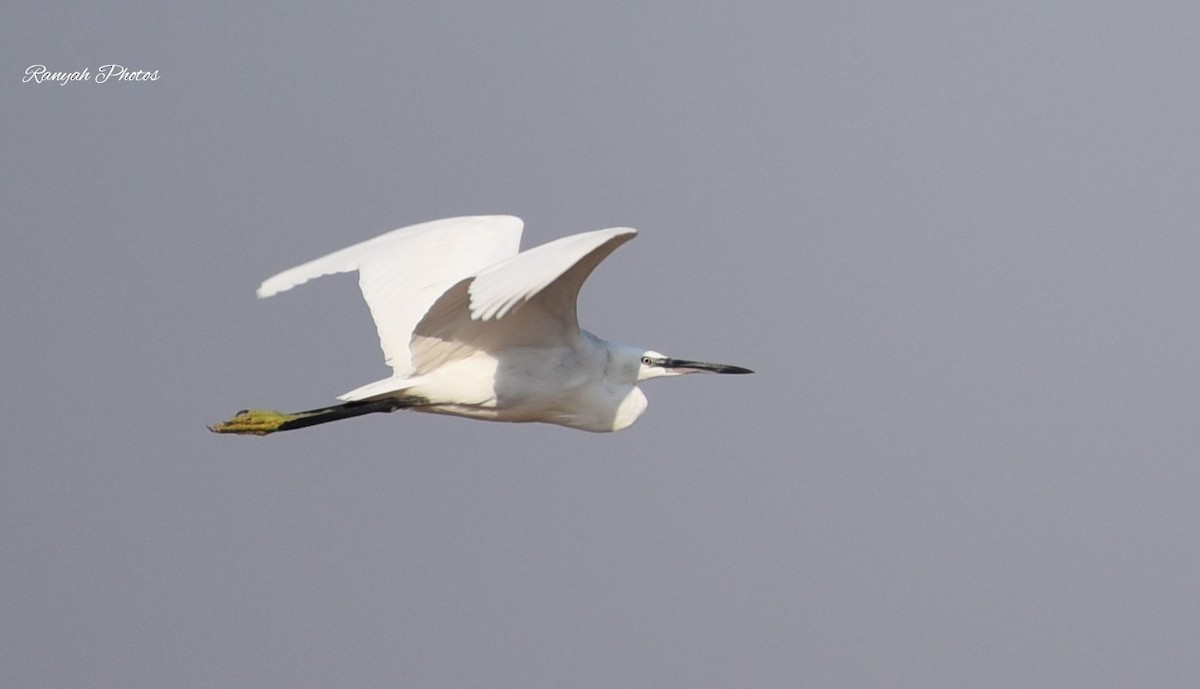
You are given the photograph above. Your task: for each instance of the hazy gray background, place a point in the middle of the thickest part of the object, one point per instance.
(959, 245)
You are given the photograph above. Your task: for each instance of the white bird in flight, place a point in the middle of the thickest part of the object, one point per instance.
(471, 327)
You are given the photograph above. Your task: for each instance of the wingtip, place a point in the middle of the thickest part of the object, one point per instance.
(272, 286)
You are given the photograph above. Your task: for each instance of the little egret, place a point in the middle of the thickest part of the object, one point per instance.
(471, 327)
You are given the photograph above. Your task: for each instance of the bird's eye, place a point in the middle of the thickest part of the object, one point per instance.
(647, 361)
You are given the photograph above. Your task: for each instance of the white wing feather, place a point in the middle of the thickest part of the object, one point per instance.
(507, 285)
(403, 272)
(528, 300)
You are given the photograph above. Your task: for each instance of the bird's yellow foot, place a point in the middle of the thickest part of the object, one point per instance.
(253, 422)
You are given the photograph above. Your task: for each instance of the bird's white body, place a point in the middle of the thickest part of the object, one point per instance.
(471, 327)
(575, 385)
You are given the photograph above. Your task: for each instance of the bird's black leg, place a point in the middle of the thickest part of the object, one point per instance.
(264, 421)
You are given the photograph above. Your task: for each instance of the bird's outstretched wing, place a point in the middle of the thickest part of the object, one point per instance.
(403, 272)
(526, 300)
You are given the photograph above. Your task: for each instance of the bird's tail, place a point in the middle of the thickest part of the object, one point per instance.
(264, 421)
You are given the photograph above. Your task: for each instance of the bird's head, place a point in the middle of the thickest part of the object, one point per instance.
(651, 364)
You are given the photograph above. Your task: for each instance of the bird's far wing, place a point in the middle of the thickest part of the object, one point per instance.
(403, 272)
(526, 300)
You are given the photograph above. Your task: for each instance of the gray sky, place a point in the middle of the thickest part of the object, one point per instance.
(958, 244)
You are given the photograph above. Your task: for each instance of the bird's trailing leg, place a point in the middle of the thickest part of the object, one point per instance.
(264, 421)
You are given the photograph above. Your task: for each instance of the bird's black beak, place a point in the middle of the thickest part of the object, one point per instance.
(685, 366)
